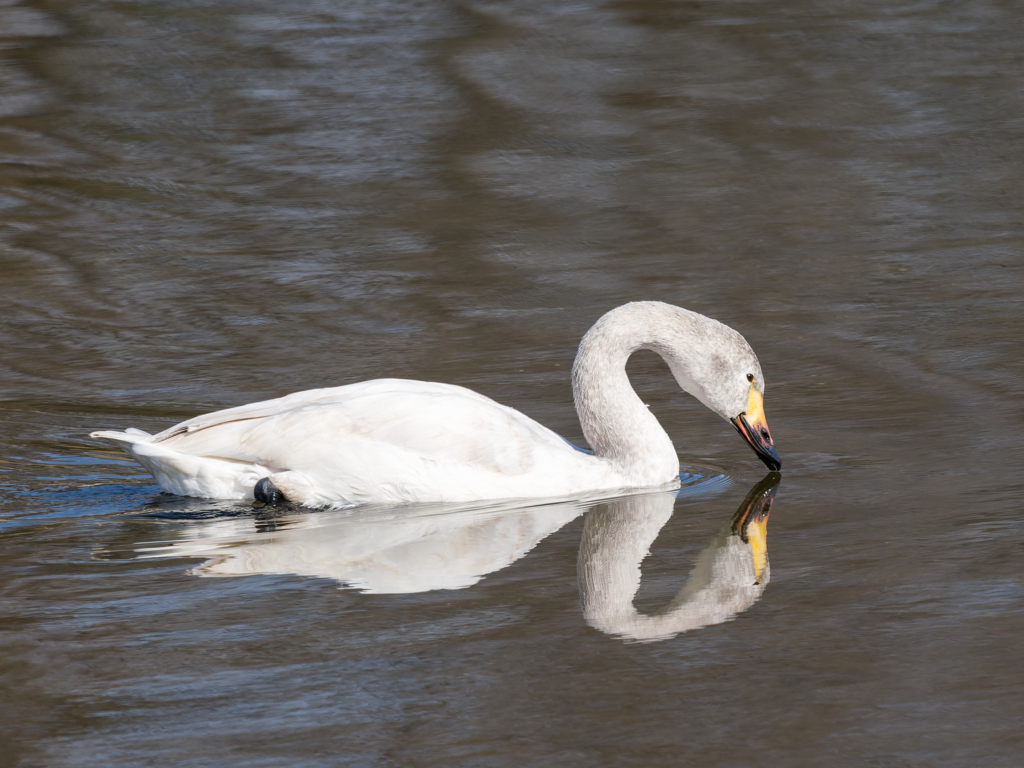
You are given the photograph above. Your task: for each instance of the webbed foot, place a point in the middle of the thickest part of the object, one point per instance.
(268, 493)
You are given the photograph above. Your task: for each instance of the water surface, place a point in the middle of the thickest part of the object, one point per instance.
(207, 204)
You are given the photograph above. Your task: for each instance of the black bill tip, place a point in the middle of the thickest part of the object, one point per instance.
(758, 438)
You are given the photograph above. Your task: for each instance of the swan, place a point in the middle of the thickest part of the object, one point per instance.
(393, 441)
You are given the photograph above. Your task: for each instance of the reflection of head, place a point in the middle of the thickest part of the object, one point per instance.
(750, 522)
(728, 577)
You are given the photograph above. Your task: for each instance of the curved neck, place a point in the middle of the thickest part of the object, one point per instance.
(617, 536)
(616, 423)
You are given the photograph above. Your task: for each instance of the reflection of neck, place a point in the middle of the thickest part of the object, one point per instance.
(616, 538)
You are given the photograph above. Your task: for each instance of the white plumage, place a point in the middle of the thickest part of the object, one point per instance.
(397, 441)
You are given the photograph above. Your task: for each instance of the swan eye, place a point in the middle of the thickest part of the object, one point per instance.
(750, 377)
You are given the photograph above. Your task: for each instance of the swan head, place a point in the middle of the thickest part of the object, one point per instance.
(753, 428)
(708, 359)
(746, 412)
(726, 377)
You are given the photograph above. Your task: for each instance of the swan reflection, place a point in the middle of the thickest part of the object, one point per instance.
(376, 553)
(729, 576)
(389, 551)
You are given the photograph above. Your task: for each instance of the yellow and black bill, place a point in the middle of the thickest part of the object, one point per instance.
(754, 429)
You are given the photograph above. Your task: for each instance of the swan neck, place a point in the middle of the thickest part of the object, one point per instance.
(616, 423)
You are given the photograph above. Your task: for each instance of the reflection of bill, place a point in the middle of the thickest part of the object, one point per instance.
(729, 576)
(750, 522)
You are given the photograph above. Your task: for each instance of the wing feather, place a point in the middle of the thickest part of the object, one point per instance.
(439, 422)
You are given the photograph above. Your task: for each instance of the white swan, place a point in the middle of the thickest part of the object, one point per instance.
(394, 441)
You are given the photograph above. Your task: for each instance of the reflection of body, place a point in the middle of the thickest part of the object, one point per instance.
(729, 576)
(390, 555)
(452, 550)
(392, 441)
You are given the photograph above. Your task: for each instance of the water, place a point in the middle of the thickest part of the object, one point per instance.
(206, 204)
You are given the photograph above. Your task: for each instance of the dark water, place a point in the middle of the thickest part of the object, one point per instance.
(204, 204)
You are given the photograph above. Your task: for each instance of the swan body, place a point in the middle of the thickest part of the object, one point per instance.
(394, 441)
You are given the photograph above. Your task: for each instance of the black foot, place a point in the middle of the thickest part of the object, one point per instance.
(268, 493)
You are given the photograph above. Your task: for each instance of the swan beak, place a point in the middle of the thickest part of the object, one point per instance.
(754, 429)
(751, 521)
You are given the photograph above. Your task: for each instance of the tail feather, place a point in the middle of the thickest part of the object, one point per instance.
(128, 437)
(186, 474)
